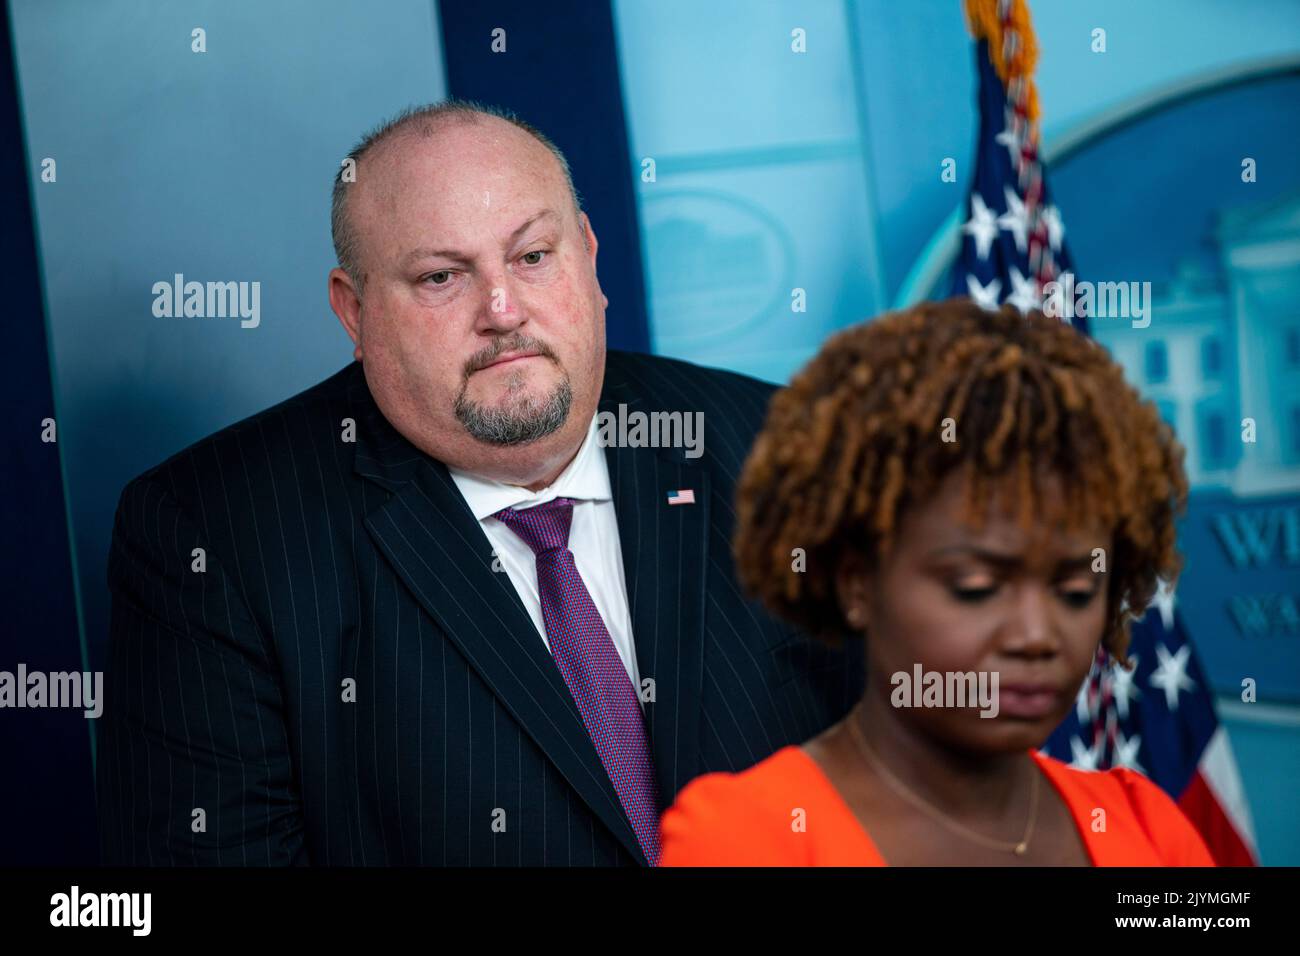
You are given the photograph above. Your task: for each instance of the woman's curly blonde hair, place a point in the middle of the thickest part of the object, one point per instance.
(858, 436)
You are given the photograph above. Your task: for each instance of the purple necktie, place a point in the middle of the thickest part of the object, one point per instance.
(592, 669)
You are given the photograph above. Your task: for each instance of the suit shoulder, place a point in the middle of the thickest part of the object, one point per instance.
(280, 424)
(733, 404)
(665, 372)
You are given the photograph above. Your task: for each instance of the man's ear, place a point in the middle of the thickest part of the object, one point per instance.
(589, 239)
(853, 588)
(347, 306)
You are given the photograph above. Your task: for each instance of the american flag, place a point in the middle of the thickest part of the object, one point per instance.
(1013, 241)
(1159, 718)
(684, 497)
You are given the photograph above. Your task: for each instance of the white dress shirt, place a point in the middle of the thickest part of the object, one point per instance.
(593, 539)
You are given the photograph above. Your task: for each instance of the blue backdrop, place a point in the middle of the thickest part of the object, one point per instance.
(722, 171)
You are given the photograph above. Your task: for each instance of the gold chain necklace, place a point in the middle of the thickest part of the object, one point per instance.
(1018, 848)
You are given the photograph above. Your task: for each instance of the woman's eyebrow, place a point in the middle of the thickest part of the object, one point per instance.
(984, 554)
(1008, 558)
(1081, 562)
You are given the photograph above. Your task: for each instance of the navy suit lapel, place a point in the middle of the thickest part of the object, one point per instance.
(665, 564)
(437, 548)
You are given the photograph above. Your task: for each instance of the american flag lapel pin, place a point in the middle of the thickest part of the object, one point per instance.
(685, 496)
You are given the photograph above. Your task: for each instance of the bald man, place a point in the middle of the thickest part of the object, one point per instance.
(457, 604)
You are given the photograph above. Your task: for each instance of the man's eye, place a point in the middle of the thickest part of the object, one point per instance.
(529, 259)
(438, 278)
(973, 595)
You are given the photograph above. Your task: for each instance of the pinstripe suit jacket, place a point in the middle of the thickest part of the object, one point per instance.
(346, 681)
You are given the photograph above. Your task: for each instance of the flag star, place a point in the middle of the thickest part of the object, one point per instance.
(1024, 295)
(981, 226)
(1055, 228)
(986, 297)
(1126, 751)
(1164, 603)
(1085, 758)
(1016, 219)
(1170, 674)
(1123, 687)
(1010, 139)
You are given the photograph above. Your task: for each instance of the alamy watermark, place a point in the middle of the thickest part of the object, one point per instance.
(637, 429)
(75, 908)
(1067, 298)
(923, 688)
(79, 690)
(208, 300)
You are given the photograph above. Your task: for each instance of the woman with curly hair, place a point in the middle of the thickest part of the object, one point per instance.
(973, 493)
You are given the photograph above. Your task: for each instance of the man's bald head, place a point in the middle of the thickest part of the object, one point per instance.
(422, 122)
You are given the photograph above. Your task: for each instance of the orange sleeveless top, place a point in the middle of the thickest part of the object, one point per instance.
(745, 819)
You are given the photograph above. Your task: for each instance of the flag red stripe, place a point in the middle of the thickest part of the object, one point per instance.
(1202, 808)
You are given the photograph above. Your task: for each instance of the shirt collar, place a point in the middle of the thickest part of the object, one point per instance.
(586, 478)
